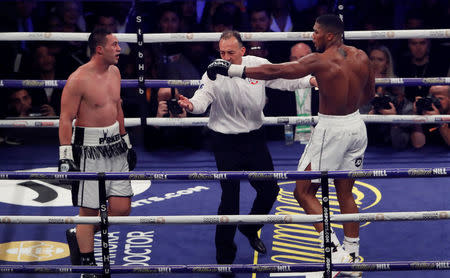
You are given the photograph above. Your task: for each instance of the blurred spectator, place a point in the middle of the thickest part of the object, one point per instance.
(370, 23)
(274, 97)
(20, 16)
(260, 20)
(109, 22)
(220, 23)
(230, 14)
(53, 23)
(434, 13)
(200, 54)
(164, 111)
(387, 101)
(168, 22)
(278, 102)
(44, 68)
(414, 19)
(71, 13)
(172, 137)
(381, 13)
(172, 63)
(190, 21)
(307, 17)
(303, 97)
(383, 66)
(437, 103)
(257, 48)
(74, 53)
(282, 20)
(20, 104)
(123, 14)
(420, 62)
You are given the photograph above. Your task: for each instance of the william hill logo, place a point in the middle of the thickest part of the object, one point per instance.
(33, 251)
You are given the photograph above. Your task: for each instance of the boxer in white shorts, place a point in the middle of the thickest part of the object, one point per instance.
(99, 150)
(346, 82)
(337, 143)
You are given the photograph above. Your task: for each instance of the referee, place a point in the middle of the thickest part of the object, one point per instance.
(238, 139)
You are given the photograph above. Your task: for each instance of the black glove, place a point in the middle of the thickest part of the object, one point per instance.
(66, 162)
(131, 155)
(223, 67)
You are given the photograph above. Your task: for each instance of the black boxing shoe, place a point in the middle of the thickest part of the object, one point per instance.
(257, 244)
(71, 236)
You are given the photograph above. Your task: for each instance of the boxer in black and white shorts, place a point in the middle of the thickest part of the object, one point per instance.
(99, 150)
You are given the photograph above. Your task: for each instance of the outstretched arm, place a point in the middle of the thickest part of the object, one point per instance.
(290, 70)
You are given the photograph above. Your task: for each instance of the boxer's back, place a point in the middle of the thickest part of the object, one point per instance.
(342, 79)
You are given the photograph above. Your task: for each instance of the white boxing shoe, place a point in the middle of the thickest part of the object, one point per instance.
(340, 256)
(355, 260)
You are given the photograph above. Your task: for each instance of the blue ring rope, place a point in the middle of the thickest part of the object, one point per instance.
(235, 268)
(230, 175)
(156, 83)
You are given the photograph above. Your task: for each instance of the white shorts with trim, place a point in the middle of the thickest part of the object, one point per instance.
(337, 143)
(114, 159)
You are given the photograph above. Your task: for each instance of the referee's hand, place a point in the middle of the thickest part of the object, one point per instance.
(185, 103)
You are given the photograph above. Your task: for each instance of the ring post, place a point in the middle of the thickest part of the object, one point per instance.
(326, 223)
(104, 225)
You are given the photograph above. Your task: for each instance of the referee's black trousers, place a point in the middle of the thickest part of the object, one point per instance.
(241, 152)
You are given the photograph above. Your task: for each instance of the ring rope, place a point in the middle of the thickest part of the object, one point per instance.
(236, 268)
(229, 175)
(230, 219)
(157, 83)
(203, 121)
(246, 36)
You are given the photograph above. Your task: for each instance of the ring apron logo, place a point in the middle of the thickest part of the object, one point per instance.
(289, 239)
(33, 251)
(47, 193)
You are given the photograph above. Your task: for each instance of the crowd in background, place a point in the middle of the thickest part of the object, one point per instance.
(56, 60)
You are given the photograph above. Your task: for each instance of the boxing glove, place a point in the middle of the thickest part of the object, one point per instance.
(131, 155)
(223, 67)
(66, 162)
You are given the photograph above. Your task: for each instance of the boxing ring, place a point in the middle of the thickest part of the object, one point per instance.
(104, 220)
(295, 254)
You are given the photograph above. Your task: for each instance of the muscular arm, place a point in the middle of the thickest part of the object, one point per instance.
(444, 130)
(291, 70)
(120, 116)
(70, 102)
(369, 89)
(418, 138)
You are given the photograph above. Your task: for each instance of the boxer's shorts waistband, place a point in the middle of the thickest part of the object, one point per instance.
(339, 120)
(96, 136)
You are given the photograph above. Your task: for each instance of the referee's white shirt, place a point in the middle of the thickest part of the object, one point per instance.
(237, 104)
